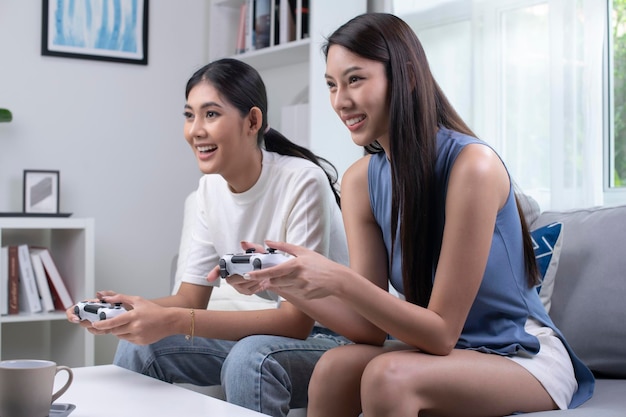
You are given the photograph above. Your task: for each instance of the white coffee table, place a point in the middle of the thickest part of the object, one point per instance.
(108, 390)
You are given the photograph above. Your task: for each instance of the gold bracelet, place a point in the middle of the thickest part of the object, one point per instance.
(192, 327)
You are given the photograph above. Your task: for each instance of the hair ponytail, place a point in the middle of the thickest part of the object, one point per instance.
(277, 142)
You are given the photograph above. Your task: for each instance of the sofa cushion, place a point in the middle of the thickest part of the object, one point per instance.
(589, 296)
(608, 401)
(529, 206)
(547, 243)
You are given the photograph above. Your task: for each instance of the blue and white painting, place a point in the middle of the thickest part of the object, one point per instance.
(107, 28)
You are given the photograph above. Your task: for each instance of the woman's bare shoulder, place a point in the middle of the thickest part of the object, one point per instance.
(356, 173)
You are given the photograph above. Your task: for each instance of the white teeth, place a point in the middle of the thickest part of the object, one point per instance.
(206, 148)
(354, 120)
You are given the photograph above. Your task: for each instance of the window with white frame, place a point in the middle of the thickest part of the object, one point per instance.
(534, 88)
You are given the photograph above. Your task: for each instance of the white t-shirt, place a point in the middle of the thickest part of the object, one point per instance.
(291, 202)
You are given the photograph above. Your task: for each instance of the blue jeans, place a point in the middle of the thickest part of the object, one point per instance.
(268, 374)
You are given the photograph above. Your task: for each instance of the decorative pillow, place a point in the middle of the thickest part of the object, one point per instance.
(547, 243)
(590, 286)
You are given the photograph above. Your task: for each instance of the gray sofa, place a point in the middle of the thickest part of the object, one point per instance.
(588, 302)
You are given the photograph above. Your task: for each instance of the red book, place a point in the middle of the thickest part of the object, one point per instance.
(14, 281)
(60, 296)
(241, 30)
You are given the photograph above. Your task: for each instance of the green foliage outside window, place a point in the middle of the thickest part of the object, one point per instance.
(619, 91)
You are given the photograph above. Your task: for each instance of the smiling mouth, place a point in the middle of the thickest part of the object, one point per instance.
(206, 149)
(354, 120)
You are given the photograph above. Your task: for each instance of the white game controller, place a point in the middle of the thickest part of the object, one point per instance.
(96, 311)
(242, 263)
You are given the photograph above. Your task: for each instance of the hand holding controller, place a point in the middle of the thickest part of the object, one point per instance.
(96, 311)
(242, 263)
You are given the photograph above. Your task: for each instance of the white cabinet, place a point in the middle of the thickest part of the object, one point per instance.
(50, 335)
(294, 71)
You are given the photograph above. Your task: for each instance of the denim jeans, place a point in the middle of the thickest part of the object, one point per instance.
(268, 374)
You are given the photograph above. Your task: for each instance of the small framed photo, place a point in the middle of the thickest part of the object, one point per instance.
(41, 191)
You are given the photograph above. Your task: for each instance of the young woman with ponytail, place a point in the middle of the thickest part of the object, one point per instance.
(257, 185)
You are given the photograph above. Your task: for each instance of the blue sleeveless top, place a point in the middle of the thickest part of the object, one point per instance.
(495, 323)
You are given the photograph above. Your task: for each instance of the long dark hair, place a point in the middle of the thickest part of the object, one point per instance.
(241, 85)
(414, 117)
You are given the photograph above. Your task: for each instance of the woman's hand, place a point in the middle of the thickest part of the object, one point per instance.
(242, 285)
(144, 323)
(73, 318)
(308, 275)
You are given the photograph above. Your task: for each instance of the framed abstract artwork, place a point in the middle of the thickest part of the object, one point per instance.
(41, 191)
(103, 30)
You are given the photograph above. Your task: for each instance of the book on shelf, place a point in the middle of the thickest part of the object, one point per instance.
(29, 301)
(4, 280)
(249, 26)
(302, 18)
(293, 19)
(275, 22)
(60, 295)
(14, 281)
(241, 30)
(287, 21)
(262, 24)
(47, 304)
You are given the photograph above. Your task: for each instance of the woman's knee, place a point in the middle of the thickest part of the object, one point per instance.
(130, 356)
(385, 380)
(239, 359)
(325, 364)
(250, 356)
(334, 363)
(341, 367)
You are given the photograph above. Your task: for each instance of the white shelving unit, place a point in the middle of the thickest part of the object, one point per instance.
(289, 69)
(223, 33)
(50, 335)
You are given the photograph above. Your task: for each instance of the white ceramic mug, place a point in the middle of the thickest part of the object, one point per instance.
(26, 387)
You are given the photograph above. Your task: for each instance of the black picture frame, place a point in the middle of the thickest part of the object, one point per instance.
(101, 30)
(41, 193)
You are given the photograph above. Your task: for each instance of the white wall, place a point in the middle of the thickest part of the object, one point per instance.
(114, 131)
